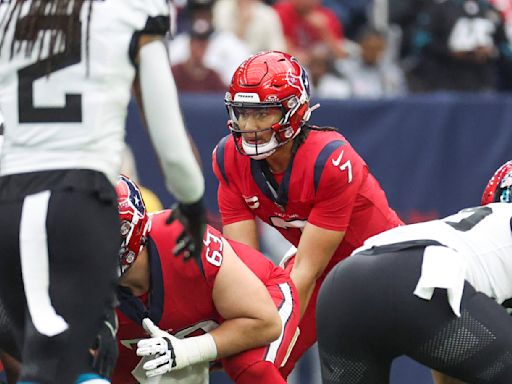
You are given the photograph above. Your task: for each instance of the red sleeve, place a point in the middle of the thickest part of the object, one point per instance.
(232, 206)
(338, 188)
(334, 24)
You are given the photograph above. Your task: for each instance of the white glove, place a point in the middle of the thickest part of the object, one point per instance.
(194, 374)
(172, 353)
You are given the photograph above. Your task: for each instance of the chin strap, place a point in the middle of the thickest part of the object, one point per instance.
(307, 115)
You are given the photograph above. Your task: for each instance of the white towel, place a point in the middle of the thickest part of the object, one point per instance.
(442, 267)
(291, 252)
(194, 374)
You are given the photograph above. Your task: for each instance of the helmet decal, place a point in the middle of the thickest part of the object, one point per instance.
(300, 82)
(135, 222)
(305, 81)
(131, 199)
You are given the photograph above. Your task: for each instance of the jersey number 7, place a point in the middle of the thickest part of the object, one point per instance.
(72, 110)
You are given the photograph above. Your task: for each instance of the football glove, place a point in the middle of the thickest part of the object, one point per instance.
(190, 241)
(171, 353)
(104, 351)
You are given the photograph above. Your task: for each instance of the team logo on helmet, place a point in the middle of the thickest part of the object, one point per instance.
(132, 199)
(299, 82)
(135, 223)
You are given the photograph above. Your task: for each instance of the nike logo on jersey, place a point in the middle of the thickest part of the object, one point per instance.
(338, 160)
(347, 165)
(253, 202)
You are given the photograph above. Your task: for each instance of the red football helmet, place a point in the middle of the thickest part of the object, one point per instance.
(499, 188)
(268, 80)
(135, 223)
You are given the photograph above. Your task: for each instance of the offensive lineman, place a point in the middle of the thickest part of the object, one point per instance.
(227, 314)
(66, 71)
(434, 291)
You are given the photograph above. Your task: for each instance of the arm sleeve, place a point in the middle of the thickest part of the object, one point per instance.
(1, 132)
(337, 191)
(183, 176)
(232, 206)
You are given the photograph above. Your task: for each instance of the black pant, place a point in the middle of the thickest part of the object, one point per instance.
(367, 315)
(58, 245)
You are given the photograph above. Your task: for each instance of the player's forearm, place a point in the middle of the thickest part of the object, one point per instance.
(182, 173)
(237, 335)
(305, 282)
(314, 252)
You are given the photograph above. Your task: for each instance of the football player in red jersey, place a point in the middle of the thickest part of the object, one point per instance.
(306, 181)
(241, 310)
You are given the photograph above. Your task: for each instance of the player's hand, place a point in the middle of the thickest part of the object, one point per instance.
(193, 218)
(104, 352)
(170, 354)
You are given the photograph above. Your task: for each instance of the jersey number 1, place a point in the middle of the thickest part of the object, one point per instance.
(72, 111)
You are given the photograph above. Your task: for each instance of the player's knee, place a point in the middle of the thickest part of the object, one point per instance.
(261, 372)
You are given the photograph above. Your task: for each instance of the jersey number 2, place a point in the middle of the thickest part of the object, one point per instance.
(72, 110)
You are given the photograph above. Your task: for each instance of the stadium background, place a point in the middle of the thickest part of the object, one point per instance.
(432, 154)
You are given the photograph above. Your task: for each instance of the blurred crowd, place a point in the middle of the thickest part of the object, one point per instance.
(351, 48)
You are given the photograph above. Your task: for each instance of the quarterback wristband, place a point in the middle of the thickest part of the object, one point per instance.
(200, 349)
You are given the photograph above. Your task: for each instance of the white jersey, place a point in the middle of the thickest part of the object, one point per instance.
(1, 131)
(481, 235)
(75, 117)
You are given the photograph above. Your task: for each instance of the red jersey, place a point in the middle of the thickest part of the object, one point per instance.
(299, 31)
(180, 298)
(328, 185)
